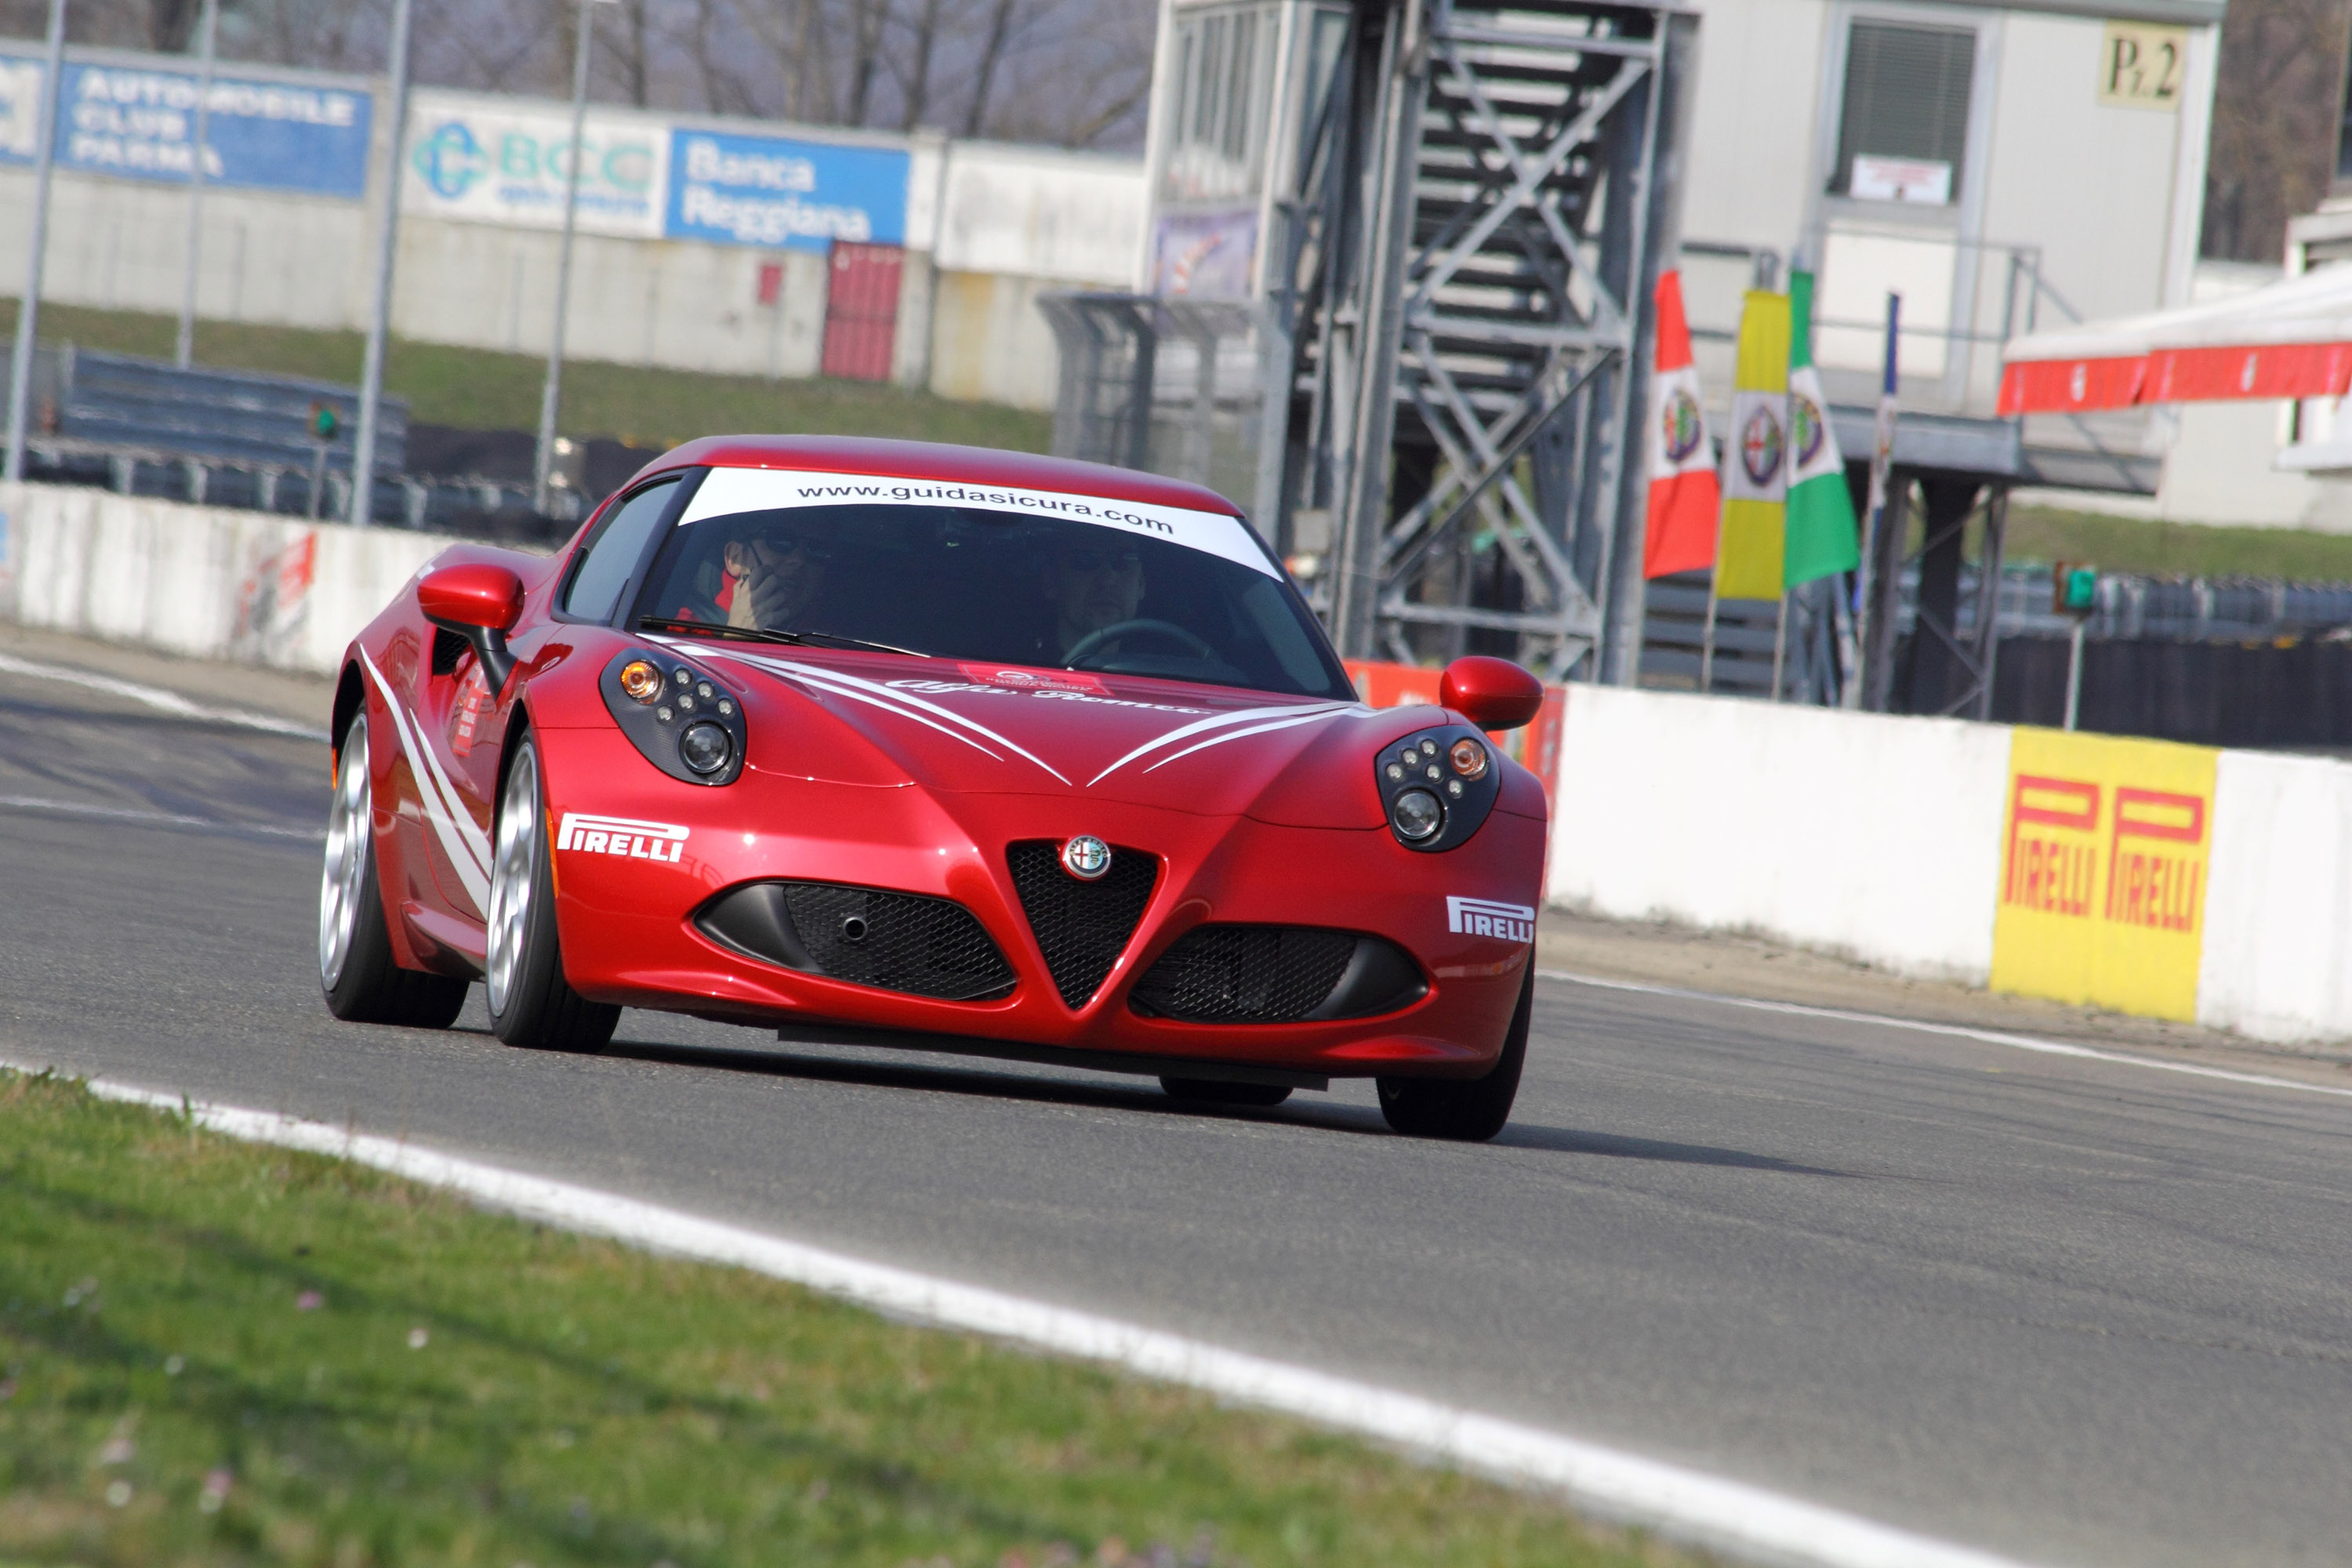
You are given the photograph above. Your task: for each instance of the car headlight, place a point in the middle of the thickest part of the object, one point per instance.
(1437, 786)
(684, 721)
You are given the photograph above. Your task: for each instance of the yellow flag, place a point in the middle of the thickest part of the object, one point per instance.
(1756, 454)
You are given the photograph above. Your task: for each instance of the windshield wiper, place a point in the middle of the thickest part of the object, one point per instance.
(763, 634)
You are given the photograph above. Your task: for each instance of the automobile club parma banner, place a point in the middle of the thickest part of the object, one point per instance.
(1685, 495)
(1756, 454)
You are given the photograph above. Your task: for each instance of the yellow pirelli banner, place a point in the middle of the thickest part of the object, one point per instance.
(2104, 843)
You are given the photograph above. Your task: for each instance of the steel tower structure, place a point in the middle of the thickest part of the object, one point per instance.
(1463, 205)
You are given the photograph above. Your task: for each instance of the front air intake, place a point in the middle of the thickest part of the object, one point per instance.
(1081, 927)
(867, 936)
(1276, 974)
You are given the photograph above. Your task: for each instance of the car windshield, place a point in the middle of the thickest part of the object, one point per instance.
(1010, 577)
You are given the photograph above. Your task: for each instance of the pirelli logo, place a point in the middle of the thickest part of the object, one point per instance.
(2104, 872)
(1485, 917)
(624, 837)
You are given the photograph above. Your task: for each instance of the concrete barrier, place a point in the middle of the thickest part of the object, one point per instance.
(207, 582)
(1877, 838)
(2277, 963)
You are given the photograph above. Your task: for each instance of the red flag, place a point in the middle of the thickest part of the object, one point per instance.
(1685, 500)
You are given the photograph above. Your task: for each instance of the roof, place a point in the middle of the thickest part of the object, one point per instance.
(2290, 338)
(937, 460)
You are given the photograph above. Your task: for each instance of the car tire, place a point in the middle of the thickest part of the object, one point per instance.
(1219, 1092)
(363, 982)
(531, 1003)
(1466, 1111)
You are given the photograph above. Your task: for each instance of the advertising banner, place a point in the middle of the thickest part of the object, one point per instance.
(508, 164)
(2104, 848)
(1204, 256)
(769, 191)
(141, 123)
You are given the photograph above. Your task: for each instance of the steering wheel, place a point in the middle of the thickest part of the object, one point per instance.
(1114, 632)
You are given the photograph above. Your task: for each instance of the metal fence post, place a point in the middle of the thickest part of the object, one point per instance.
(28, 309)
(380, 318)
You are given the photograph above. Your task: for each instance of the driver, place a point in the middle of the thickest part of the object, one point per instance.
(1090, 586)
(773, 573)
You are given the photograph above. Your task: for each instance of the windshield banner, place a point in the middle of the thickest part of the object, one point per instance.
(729, 490)
(259, 134)
(768, 191)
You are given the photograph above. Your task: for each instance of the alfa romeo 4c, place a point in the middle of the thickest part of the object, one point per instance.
(924, 746)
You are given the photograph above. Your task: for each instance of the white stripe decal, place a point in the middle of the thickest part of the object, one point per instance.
(1184, 731)
(851, 685)
(888, 698)
(472, 873)
(1238, 734)
(1713, 1511)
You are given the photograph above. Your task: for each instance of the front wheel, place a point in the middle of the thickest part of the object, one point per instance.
(364, 982)
(531, 1003)
(1466, 1111)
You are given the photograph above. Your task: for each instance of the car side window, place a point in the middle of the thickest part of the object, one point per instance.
(614, 554)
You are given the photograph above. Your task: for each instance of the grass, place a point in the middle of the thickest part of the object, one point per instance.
(2174, 549)
(213, 1353)
(477, 389)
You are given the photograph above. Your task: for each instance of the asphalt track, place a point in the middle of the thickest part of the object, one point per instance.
(2067, 1310)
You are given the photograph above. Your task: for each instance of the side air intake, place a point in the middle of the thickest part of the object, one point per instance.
(1276, 974)
(1081, 927)
(865, 936)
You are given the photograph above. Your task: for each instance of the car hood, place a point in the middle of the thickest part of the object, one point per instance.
(966, 727)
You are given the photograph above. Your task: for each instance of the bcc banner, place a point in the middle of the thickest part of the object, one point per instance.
(2105, 847)
(768, 191)
(261, 135)
(482, 161)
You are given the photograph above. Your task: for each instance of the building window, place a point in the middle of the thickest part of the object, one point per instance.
(1903, 128)
(1224, 92)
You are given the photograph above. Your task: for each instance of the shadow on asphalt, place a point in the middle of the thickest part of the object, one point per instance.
(949, 1077)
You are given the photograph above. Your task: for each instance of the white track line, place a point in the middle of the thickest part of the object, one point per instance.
(155, 696)
(1960, 1031)
(1725, 1515)
(155, 818)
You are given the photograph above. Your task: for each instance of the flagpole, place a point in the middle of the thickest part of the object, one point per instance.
(1779, 640)
(1882, 463)
(1706, 638)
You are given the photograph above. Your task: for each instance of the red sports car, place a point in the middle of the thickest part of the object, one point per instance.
(927, 746)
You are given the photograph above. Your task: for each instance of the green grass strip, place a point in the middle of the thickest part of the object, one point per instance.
(2174, 549)
(219, 1353)
(477, 389)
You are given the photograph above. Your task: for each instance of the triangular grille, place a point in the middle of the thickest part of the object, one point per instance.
(1081, 927)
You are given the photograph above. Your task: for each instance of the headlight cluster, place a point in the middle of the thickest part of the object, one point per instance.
(1437, 786)
(686, 722)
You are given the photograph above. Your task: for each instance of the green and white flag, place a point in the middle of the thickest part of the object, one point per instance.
(1821, 538)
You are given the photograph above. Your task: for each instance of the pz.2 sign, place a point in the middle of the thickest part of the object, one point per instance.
(2105, 850)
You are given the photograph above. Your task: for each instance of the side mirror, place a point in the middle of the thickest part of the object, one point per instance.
(1492, 693)
(480, 603)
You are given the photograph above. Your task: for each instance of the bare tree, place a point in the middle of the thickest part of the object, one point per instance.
(2277, 110)
(915, 83)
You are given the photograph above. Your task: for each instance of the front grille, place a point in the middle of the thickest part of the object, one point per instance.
(1081, 927)
(865, 936)
(1245, 975)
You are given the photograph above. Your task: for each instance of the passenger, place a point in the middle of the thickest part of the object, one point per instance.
(773, 573)
(1091, 586)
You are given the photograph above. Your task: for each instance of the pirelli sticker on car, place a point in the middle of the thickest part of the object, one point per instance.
(1485, 917)
(622, 835)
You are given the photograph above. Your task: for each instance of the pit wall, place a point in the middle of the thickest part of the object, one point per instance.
(2175, 882)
